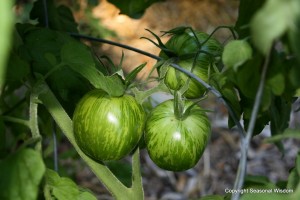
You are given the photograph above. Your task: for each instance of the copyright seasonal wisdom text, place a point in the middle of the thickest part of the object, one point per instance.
(255, 190)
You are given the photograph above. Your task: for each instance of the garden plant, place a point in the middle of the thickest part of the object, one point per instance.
(51, 81)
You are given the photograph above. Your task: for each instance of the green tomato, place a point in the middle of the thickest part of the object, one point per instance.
(175, 79)
(176, 144)
(186, 44)
(108, 128)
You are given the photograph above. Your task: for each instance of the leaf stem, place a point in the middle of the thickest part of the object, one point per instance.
(33, 116)
(246, 140)
(137, 184)
(16, 120)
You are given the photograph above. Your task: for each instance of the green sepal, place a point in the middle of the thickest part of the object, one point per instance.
(132, 75)
(160, 45)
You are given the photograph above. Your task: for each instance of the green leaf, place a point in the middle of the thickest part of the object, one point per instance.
(17, 70)
(236, 53)
(62, 188)
(276, 83)
(265, 195)
(272, 21)
(212, 197)
(82, 62)
(288, 133)
(294, 38)
(280, 115)
(6, 27)
(2, 138)
(59, 17)
(21, 174)
(132, 75)
(133, 8)
(245, 14)
(294, 176)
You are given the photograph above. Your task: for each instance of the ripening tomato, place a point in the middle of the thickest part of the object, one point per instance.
(173, 143)
(184, 45)
(108, 128)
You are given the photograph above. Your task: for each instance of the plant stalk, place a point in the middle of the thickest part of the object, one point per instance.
(242, 169)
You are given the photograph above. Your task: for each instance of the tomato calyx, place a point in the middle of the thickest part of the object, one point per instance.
(160, 45)
(115, 84)
(181, 112)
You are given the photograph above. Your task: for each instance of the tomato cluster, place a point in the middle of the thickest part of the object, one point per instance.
(109, 128)
(196, 52)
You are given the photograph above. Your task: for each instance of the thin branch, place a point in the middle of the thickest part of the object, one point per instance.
(33, 117)
(115, 44)
(190, 74)
(16, 120)
(246, 140)
(55, 152)
(46, 13)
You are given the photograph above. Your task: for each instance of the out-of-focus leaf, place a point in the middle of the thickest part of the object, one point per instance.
(294, 36)
(133, 8)
(267, 195)
(288, 133)
(272, 21)
(236, 53)
(17, 69)
(245, 14)
(21, 174)
(2, 138)
(280, 115)
(58, 18)
(212, 197)
(62, 188)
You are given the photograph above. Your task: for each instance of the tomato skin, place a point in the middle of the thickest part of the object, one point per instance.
(175, 144)
(107, 128)
(175, 79)
(185, 44)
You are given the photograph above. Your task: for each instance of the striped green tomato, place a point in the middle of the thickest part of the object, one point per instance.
(176, 144)
(186, 44)
(175, 79)
(107, 128)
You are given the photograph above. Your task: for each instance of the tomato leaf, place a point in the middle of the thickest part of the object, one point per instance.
(245, 14)
(133, 8)
(2, 138)
(62, 188)
(236, 53)
(212, 197)
(288, 133)
(16, 72)
(280, 115)
(59, 17)
(272, 21)
(21, 174)
(294, 38)
(82, 62)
